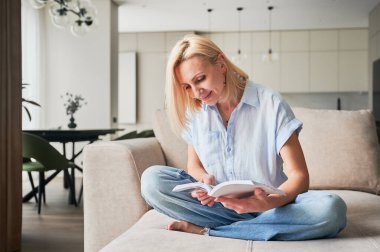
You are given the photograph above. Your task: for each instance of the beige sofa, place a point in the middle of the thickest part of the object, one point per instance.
(341, 150)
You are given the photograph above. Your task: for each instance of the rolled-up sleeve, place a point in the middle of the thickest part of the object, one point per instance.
(286, 124)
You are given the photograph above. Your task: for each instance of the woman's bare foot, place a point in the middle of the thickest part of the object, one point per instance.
(184, 226)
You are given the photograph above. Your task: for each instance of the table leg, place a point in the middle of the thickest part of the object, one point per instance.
(72, 199)
(65, 181)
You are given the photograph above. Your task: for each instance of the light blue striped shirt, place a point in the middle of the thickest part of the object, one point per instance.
(249, 148)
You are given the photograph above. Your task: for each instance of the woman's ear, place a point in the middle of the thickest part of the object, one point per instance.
(221, 57)
(222, 62)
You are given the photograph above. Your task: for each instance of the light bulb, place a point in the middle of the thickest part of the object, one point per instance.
(61, 21)
(92, 23)
(270, 56)
(59, 16)
(91, 10)
(71, 4)
(79, 28)
(274, 56)
(37, 4)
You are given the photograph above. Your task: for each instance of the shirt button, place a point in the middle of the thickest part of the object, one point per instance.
(228, 149)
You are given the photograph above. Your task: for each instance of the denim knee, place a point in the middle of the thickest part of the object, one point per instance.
(334, 215)
(150, 182)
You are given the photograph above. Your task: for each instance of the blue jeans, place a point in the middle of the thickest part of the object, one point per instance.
(312, 215)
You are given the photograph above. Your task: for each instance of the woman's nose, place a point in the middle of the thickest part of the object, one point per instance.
(198, 92)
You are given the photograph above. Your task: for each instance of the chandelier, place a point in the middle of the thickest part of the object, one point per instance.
(79, 15)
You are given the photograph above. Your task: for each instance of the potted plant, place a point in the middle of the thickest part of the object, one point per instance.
(24, 101)
(73, 104)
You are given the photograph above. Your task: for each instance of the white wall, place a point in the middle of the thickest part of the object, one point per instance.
(333, 60)
(85, 66)
(32, 64)
(152, 50)
(80, 66)
(374, 44)
(315, 67)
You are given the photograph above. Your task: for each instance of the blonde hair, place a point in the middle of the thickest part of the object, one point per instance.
(178, 102)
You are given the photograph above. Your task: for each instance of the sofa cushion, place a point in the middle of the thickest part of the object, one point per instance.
(341, 149)
(173, 147)
(361, 234)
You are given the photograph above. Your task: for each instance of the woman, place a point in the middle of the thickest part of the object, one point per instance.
(236, 130)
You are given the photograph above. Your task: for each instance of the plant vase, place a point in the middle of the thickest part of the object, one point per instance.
(72, 124)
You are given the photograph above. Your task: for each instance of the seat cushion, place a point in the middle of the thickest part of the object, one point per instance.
(34, 166)
(361, 234)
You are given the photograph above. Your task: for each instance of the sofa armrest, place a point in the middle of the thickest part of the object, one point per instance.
(111, 182)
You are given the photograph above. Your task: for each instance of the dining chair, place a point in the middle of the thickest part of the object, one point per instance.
(43, 158)
(145, 133)
(129, 135)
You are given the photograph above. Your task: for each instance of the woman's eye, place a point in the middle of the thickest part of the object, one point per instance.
(200, 79)
(186, 87)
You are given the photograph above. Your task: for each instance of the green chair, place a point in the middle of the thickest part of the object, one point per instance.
(47, 159)
(129, 135)
(135, 134)
(145, 133)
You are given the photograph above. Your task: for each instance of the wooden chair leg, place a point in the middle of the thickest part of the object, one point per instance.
(33, 187)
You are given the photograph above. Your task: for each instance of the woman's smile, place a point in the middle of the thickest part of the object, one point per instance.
(205, 97)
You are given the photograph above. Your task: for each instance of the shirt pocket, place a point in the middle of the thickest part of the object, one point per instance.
(211, 147)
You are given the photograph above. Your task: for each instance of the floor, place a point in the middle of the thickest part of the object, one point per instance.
(58, 228)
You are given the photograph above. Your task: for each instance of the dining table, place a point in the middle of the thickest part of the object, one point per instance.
(69, 136)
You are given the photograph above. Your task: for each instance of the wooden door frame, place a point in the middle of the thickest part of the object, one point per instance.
(10, 126)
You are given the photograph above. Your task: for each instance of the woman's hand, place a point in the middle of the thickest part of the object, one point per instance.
(202, 196)
(257, 202)
(297, 183)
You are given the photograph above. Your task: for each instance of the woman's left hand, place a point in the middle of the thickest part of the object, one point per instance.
(258, 202)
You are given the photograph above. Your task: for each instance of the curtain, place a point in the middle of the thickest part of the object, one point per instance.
(10, 125)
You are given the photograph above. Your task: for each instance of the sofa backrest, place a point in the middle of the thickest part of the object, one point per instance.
(341, 148)
(173, 147)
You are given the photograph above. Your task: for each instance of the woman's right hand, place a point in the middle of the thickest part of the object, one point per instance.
(202, 196)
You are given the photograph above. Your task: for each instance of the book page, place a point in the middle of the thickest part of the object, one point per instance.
(192, 186)
(236, 188)
(231, 190)
(239, 188)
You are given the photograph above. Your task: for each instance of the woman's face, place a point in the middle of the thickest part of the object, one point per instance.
(201, 79)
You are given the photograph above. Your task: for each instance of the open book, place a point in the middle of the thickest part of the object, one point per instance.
(235, 188)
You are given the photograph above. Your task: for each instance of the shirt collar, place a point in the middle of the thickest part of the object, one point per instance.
(250, 97)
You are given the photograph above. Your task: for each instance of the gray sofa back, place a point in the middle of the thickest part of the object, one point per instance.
(341, 148)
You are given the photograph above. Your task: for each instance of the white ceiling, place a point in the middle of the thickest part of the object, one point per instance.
(192, 15)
